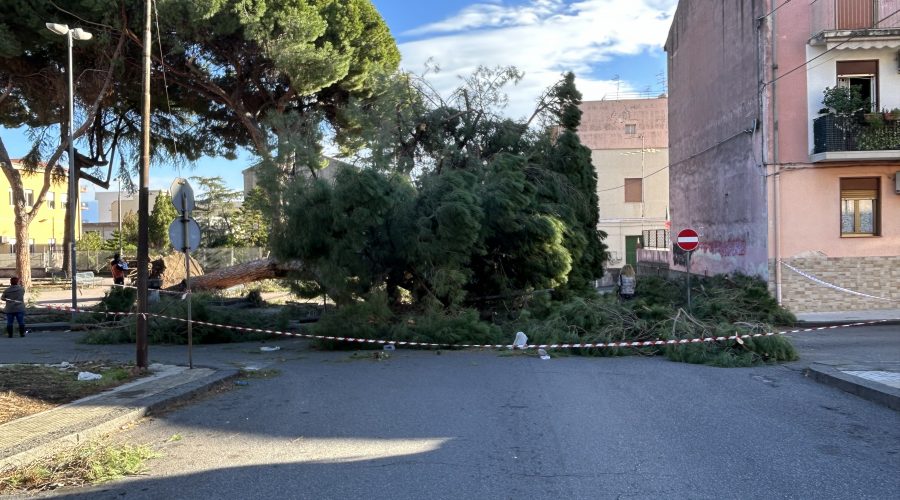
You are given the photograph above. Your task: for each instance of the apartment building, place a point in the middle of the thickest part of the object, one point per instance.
(46, 231)
(628, 139)
(777, 185)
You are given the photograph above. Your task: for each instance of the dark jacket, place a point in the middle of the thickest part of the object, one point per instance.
(14, 296)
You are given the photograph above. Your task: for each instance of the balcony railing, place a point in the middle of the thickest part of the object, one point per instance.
(833, 134)
(849, 15)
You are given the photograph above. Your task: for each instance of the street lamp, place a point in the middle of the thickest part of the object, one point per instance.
(77, 34)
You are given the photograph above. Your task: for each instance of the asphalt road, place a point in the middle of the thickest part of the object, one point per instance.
(485, 425)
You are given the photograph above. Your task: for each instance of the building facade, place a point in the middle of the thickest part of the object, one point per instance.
(777, 185)
(628, 139)
(108, 204)
(47, 229)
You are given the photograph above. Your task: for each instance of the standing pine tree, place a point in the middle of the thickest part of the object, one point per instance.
(160, 218)
(576, 198)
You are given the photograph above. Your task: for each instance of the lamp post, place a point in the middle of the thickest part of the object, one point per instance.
(77, 34)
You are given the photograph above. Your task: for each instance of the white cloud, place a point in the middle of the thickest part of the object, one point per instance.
(543, 38)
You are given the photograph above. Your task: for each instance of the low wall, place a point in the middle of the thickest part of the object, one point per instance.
(878, 276)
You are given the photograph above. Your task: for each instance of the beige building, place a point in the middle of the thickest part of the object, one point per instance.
(108, 204)
(628, 139)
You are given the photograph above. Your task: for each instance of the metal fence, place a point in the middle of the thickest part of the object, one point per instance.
(210, 259)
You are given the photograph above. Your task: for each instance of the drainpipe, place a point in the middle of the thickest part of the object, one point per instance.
(776, 202)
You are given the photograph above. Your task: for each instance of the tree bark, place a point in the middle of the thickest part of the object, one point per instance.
(247, 272)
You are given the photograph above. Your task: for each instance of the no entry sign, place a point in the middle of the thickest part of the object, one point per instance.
(688, 240)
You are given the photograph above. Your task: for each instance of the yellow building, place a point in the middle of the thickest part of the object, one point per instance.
(47, 229)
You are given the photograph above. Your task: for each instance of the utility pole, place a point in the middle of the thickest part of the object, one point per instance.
(143, 257)
(119, 215)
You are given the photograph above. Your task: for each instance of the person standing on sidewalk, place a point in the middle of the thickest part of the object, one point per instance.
(14, 296)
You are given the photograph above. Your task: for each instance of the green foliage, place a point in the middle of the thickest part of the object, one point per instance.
(216, 205)
(493, 208)
(732, 354)
(367, 319)
(724, 298)
(117, 299)
(171, 331)
(127, 238)
(845, 101)
(90, 241)
(250, 227)
(160, 218)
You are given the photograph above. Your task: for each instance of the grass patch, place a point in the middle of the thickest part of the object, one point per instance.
(29, 389)
(259, 374)
(92, 463)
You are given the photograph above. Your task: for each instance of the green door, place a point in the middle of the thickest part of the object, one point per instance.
(631, 245)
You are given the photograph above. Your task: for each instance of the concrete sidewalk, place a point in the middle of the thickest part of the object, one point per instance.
(844, 317)
(39, 435)
(36, 436)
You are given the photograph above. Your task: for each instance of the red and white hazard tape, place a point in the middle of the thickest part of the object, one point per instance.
(587, 345)
(646, 343)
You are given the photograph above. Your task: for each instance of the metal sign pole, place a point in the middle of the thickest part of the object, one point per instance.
(187, 280)
(689, 281)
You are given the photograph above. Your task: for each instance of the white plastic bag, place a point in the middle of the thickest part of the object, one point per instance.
(85, 376)
(521, 340)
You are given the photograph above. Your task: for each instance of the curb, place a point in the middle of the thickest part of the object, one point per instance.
(150, 405)
(816, 324)
(866, 389)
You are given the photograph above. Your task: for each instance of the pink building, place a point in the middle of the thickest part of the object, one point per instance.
(774, 184)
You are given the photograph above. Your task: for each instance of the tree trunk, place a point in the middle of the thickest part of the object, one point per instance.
(247, 272)
(23, 249)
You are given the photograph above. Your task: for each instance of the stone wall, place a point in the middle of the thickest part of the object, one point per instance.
(878, 276)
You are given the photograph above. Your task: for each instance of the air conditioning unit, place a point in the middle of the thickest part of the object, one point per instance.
(4, 239)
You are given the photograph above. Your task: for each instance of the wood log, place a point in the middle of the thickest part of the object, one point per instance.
(247, 272)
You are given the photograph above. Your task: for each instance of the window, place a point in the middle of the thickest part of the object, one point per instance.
(11, 198)
(29, 198)
(51, 200)
(31, 246)
(861, 75)
(860, 207)
(631, 129)
(52, 244)
(64, 200)
(12, 245)
(634, 190)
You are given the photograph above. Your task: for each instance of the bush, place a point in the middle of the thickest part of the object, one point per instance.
(753, 351)
(171, 331)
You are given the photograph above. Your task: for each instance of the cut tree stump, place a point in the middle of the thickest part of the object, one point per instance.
(170, 269)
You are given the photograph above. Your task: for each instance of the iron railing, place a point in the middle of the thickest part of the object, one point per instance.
(855, 133)
(840, 15)
(655, 238)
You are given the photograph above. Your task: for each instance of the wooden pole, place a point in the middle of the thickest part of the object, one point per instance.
(143, 251)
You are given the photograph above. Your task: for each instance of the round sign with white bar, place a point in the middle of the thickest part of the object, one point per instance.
(688, 240)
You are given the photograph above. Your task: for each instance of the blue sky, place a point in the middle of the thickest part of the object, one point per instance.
(600, 40)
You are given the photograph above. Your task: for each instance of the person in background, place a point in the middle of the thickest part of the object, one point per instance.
(627, 282)
(117, 267)
(14, 296)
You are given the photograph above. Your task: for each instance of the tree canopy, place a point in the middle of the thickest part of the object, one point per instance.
(449, 203)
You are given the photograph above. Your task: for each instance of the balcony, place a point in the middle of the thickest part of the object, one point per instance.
(855, 24)
(853, 138)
